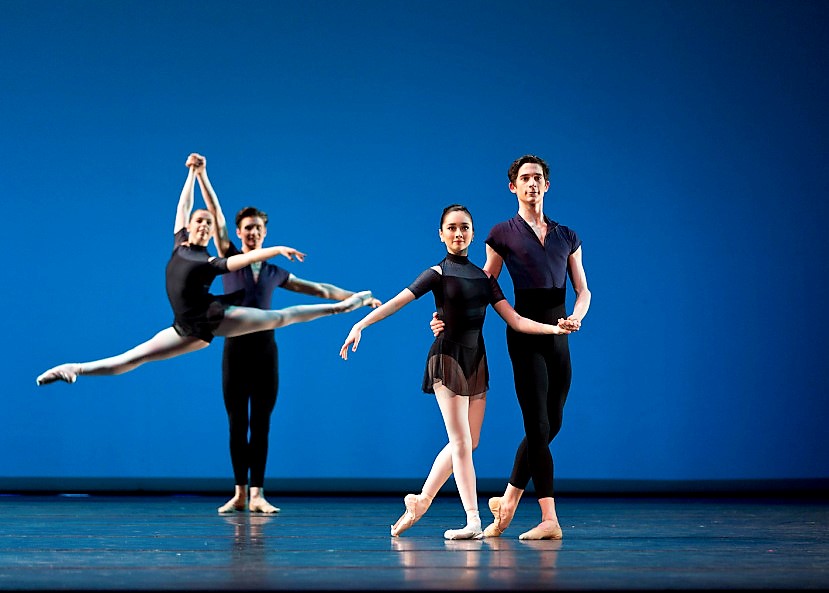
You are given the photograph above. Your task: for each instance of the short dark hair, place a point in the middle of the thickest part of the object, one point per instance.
(512, 173)
(455, 208)
(252, 212)
(196, 211)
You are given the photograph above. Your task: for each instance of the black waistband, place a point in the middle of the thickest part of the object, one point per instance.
(541, 304)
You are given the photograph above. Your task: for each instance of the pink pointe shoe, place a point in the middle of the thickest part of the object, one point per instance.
(416, 507)
(497, 527)
(355, 301)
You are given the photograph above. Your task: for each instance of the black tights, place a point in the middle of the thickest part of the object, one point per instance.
(542, 372)
(250, 381)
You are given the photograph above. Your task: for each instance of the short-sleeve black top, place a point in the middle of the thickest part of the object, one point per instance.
(190, 272)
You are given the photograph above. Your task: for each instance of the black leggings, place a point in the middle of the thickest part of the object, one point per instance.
(542, 373)
(250, 381)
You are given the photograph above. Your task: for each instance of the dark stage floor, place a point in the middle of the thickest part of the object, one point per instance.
(53, 542)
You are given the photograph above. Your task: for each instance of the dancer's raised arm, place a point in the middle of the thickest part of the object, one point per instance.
(211, 200)
(185, 201)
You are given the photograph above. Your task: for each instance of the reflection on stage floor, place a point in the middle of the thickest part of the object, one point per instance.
(168, 542)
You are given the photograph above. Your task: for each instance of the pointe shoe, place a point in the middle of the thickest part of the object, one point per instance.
(356, 300)
(540, 532)
(365, 297)
(494, 529)
(468, 532)
(64, 372)
(416, 506)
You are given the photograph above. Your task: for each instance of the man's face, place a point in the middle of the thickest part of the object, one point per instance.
(530, 185)
(200, 228)
(252, 232)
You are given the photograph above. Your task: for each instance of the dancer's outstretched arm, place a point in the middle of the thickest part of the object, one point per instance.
(403, 298)
(242, 260)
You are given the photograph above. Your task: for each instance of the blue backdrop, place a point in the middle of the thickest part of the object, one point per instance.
(688, 146)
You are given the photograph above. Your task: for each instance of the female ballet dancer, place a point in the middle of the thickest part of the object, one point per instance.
(199, 315)
(456, 366)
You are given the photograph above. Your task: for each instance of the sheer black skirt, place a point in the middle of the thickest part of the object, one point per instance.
(462, 369)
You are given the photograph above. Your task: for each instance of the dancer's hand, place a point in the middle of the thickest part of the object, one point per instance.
(374, 303)
(196, 161)
(571, 324)
(353, 338)
(291, 253)
(436, 324)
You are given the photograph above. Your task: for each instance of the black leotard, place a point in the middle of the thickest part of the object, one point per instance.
(462, 292)
(190, 272)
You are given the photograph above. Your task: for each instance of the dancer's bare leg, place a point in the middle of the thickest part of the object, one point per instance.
(549, 527)
(503, 509)
(165, 344)
(440, 473)
(418, 504)
(456, 412)
(258, 503)
(442, 466)
(238, 502)
(246, 320)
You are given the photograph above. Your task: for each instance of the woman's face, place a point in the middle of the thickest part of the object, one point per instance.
(200, 228)
(456, 232)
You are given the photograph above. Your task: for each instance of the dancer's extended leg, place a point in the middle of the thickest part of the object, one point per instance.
(165, 344)
(246, 320)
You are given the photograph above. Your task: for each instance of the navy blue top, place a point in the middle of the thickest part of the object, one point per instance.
(257, 293)
(531, 264)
